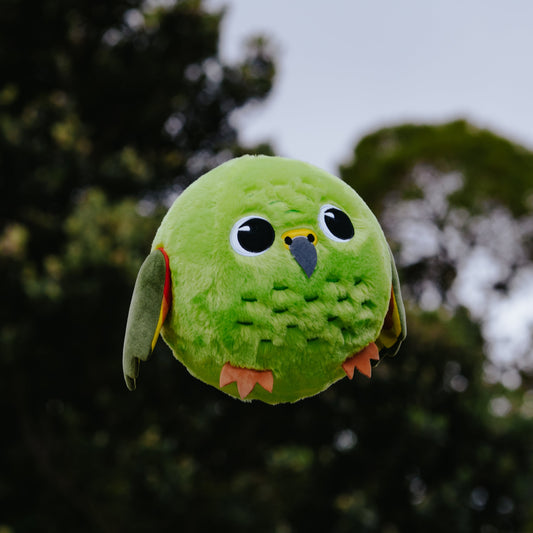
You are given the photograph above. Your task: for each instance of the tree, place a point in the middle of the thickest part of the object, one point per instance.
(106, 109)
(456, 203)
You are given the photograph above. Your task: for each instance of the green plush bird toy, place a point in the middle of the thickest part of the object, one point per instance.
(269, 279)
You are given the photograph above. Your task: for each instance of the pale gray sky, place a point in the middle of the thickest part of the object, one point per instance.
(347, 67)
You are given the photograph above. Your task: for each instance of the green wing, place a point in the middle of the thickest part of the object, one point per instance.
(148, 309)
(394, 329)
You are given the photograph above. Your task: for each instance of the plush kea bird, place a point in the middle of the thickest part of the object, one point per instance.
(269, 279)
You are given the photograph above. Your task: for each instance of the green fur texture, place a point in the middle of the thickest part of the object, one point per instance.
(264, 312)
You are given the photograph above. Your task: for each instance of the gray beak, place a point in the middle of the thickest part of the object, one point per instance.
(304, 252)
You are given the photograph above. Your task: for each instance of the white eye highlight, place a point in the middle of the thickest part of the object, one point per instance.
(335, 223)
(251, 236)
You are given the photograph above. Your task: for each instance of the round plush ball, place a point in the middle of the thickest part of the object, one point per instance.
(278, 268)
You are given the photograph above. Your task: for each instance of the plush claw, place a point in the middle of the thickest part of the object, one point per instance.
(361, 361)
(246, 379)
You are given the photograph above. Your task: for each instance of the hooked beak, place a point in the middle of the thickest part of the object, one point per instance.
(302, 245)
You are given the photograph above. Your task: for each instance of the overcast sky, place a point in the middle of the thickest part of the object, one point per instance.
(348, 67)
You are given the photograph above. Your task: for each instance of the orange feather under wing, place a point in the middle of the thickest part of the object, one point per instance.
(392, 326)
(166, 301)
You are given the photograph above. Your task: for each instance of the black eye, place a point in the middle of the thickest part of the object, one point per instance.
(335, 223)
(252, 236)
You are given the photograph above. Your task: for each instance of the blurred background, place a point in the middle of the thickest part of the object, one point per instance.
(109, 109)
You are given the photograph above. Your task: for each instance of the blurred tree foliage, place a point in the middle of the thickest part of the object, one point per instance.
(456, 203)
(106, 108)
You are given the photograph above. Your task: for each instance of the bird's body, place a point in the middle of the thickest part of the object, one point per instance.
(279, 275)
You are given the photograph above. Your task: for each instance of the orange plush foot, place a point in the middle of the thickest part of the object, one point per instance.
(361, 361)
(246, 379)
